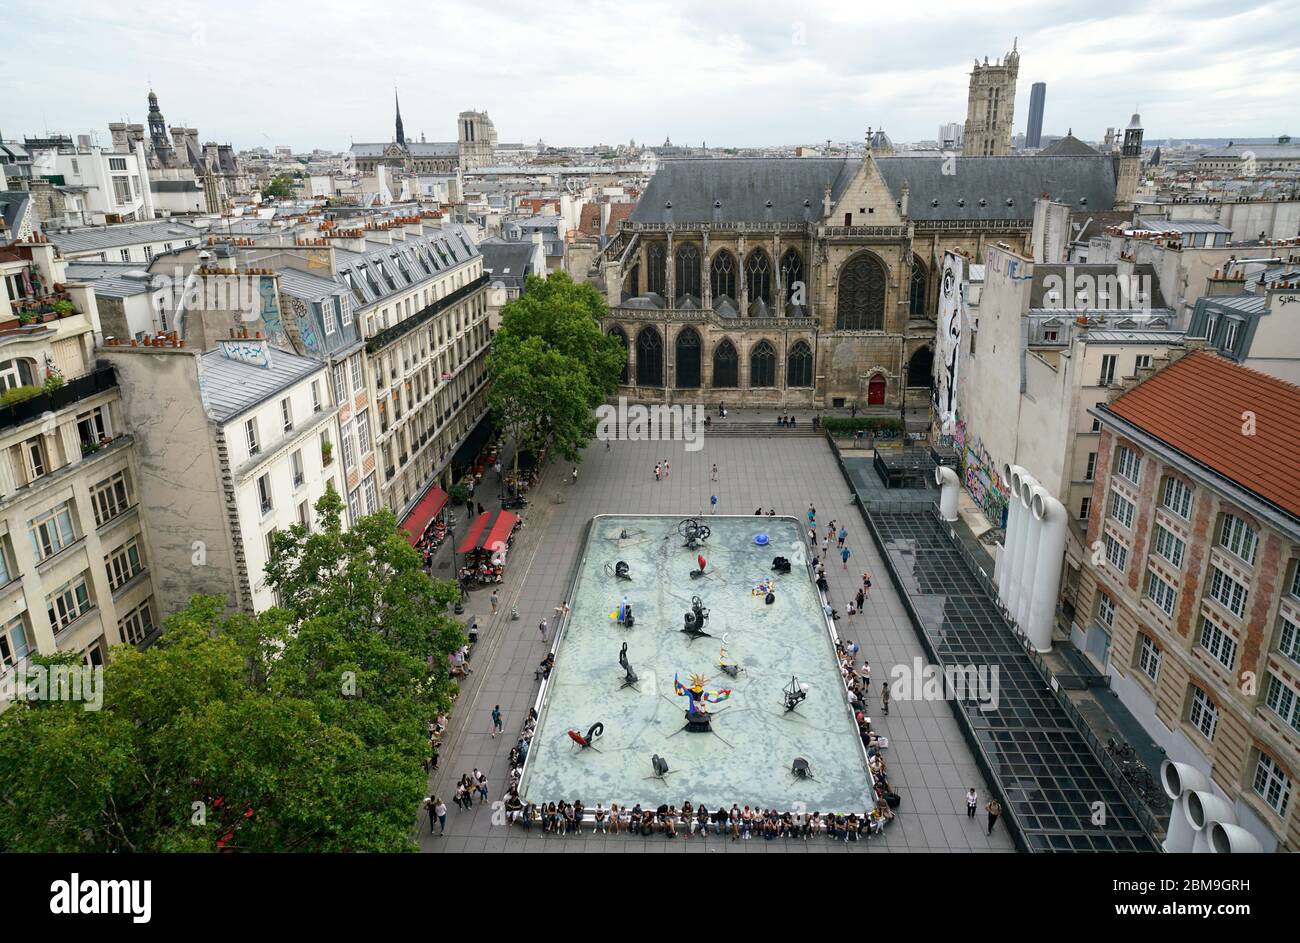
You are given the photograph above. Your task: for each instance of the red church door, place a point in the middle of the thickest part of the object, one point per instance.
(876, 391)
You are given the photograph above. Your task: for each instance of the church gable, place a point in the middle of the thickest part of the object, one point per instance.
(867, 200)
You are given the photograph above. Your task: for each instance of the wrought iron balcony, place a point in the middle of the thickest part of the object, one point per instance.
(73, 391)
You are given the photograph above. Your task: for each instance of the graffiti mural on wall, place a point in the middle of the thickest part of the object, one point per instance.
(979, 473)
(270, 311)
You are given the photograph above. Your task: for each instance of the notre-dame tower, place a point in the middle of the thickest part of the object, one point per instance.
(990, 107)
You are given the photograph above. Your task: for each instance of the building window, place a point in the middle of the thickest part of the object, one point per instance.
(34, 453)
(1218, 643)
(1116, 553)
(1161, 593)
(136, 625)
(1096, 423)
(1105, 610)
(123, 564)
(109, 498)
(1085, 506)
(1166, 545)
(349, 453)
(354, 503)
(299, 474)
(1271, 784)
(124, 255)
(316, 404)
(799, 366)
(1177, 497)
(264, 493)
(1238, 538)
(1143, 360)
(286, 414)
(1288, 639)
(1091, 471)
(1121, 509)
(250, 433)
(340, 383)
(861, 302)
(363, 433)
(52, 531)
(1282, 700)
(1128, 465)
(327, 315)
(13, 643)
(371, 495)
(358, 373)
(304, 514)
(1149, 658)
(1230, 335)
(345, 310)
(68, 603)
(1227, 592)
(1203, 715)
(762, 365)
(1107, 370)
(92, 426)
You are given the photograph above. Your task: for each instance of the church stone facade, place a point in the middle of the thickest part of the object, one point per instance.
(474, 147)
(812, 282)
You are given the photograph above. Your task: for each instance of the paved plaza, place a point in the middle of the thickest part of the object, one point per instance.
(930, 765)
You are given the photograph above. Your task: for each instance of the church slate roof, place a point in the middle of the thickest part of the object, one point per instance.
(795, 185)
(414, 148)
(1069, 146)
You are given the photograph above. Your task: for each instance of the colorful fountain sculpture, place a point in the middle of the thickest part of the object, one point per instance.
(697, 713)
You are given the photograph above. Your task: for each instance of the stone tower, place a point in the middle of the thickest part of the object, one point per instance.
(158, 137)
(990, 106)
(477, 139)
(1130, 164)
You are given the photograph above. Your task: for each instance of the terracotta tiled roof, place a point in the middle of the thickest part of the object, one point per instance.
(589, 223)
(1198, 404)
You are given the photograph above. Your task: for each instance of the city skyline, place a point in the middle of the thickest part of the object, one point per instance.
(724, 76)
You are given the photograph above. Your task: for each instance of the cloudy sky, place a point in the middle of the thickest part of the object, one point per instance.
(750, 72)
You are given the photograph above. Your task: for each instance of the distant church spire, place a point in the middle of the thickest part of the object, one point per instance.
(401, 136)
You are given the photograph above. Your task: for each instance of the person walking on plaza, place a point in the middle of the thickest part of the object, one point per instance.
(994, 809)
(713, 504)
(575, 474)
(668, 467)
(972, 802)
(482, 782)
(495, 600)
(658, 472)
(541, 628)
(843, 534)
(844, 555)
(713, 475)
(866, 585)
(826, 545)
(496, 721)
(884, 699)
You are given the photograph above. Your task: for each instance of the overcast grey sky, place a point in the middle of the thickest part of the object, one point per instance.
(321, 74)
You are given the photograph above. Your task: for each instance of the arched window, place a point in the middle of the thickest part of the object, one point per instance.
(792, 283)
(632, 283)
(649, 358)
(920, 368)
(656, 263)
(688, 359)
(861, 304)
(617, 333)
(916, 296)
(762, 365)
(799, 366)
(722, 275)
(758, 278)
(687, 275)
(725, 372)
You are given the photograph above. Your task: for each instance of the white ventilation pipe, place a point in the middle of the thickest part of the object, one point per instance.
(1029, 560)
(1204, 809)
(1018, 540)
(1228, 839)
(1050, 515)
(1011, 539)
(946, 479)
(1180, 779)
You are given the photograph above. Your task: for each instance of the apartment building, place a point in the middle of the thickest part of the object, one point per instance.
(235, 443)
(99, 186)
(75, 564)
(1193, 605)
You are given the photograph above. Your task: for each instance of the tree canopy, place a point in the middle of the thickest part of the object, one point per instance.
(300, 729)
(551, 365)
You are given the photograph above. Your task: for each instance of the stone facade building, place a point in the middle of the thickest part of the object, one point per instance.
(474, 147)
(990, 107)
(813, 282)
(1195, 600)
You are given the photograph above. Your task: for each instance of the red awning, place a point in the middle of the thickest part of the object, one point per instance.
(488, 530)
(434, 500)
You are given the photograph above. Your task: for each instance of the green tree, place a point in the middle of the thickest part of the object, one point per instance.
(551, 365)
(310, 717)
(280, 188)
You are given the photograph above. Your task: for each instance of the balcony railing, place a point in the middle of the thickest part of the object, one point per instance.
(29, 410)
